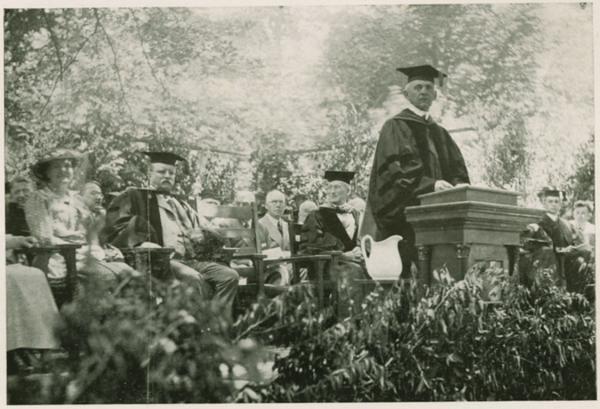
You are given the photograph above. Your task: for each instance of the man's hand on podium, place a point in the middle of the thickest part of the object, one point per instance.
(442, 185)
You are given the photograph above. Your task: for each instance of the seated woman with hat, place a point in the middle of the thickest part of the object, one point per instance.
(56, 215)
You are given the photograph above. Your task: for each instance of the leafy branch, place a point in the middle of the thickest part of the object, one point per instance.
(66, 67)
(115, 63)
(146, 56)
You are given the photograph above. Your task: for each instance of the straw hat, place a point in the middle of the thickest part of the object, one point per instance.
(39, 168)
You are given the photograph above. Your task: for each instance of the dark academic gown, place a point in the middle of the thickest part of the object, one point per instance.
(411, 154)
(562, 235)
(132, 218)
(323, 231)
(15, 220)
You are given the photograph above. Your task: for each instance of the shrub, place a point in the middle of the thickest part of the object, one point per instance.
(451, 344)
(154, 342)
(147, 341)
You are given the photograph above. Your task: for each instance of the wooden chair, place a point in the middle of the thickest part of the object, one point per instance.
(63, 290)
(316, 272)
(237, 224)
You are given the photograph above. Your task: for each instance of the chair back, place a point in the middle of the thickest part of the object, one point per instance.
(237, 224)
(295, 230)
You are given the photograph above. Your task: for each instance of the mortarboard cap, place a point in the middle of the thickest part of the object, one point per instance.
(163, 157)
(550, 191)
(422, 72)
(341, 175)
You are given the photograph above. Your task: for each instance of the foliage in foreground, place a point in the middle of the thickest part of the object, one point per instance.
(146, 342)
(152, 342)
(449, 345)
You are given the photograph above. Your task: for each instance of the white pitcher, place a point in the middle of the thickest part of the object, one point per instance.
(383, 261)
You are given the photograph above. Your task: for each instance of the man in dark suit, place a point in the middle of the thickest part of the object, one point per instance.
(155, 217)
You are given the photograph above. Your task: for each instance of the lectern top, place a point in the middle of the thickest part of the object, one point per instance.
(471, 193)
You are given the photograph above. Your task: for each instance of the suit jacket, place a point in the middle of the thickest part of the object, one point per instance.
(269, 234)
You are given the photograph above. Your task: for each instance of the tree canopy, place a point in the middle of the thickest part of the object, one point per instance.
(269, 97)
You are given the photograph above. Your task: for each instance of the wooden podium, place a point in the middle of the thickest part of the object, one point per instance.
(465, 225)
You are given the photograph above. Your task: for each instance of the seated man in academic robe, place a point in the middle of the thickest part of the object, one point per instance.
(154, 215)
(334, 226)
(570, 258)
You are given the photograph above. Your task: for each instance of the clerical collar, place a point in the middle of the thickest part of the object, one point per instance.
(418, 111)
(553, 217)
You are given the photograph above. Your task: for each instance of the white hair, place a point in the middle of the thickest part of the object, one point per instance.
(341, 183)
(272, 193)
(244, 196)
(305, 208)
(358, 204)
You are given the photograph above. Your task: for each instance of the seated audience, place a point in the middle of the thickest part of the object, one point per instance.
(305, 209)
(55, 216)
(20, 188)
(569, 257)
(585, 232)
(244, 197)
(94, 219)
(31, 312)
(334, 226)
(273, 232)
(154, 217)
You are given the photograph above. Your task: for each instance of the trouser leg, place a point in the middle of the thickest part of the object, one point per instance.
(349, 293)
(190, 276)
(223, 280)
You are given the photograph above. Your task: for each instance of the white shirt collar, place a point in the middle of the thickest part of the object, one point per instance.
(554, 217)
(418, 111)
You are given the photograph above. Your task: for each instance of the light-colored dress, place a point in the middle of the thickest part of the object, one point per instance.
(55, 219)
(31, 314)
(61, 219)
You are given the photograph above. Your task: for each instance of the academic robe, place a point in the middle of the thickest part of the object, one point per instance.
(411, 155)
(323, 231)
(562, 235)
(133, 217)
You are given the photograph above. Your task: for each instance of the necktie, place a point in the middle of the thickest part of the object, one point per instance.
(280, 227)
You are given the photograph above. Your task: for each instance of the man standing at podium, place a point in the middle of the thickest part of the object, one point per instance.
(414, 155)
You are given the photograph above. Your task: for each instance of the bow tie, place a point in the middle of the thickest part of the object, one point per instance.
(341, 209)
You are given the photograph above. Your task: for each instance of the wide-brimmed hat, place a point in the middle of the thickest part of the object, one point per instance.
(39, 168)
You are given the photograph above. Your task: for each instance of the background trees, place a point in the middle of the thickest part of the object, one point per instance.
(256, 97)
